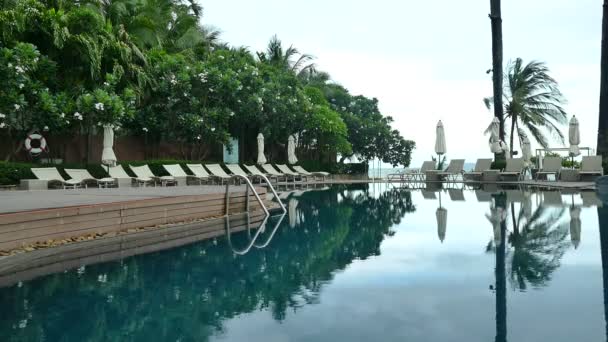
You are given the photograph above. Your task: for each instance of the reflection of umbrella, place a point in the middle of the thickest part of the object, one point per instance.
(494, 139)
(575, 226)
(574, 137)
(107, 155)
(293, 214)
(291, 150)
(261, 156)
(440, 139)
(442, 220)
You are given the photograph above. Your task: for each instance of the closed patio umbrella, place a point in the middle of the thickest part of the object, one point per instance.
(575, 226)
(291, 150)
(440, 147)
(261, 156)
(494, 139)
(574, 137)
(107, 155)
(526, 150)
(292, 205)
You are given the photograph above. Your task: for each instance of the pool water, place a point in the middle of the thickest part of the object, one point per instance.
(349, 263)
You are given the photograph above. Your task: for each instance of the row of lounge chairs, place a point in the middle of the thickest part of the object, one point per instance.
(515, 168)
(208, 174)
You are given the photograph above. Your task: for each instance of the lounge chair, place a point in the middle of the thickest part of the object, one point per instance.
(420, 174)
(199, 171)
(117, 172)
(480, 166)
(84, 176)
(286, 170)
(51, 175)
(217, 172)
(454, 169)
(237, 170)
(591, 166)
(314, 174)
(256, 172)
(176, 171)
(270, 170)
(514, 167)
(145, 172)
(551, 166)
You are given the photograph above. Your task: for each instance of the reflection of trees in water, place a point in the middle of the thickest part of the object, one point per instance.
(186, 293)
(538, 244)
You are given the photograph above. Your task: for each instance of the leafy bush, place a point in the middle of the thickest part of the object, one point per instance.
(334, 168)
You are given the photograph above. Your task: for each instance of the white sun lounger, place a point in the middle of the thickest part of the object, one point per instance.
(175, 170)
(84, 176)
(145, 172)
(256, 172)
(303, 171)
(117, 172)
(591, 166)
(551, 166)
(480, 166)
(454, 169)
(237, 170)
(51, 175)
(273, 172)
(514, 167)
(219, 173)
(284, 169)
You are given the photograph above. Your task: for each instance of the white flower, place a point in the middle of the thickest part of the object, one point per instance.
(106, 84)
(212, 129)
(76, 114)
(79, 118)
(35, 59)
(221, 57)
(240, 87)
(20, 86)
(185, 94)
(200, 120)
(10, 65)
(99, 106)
(17, 107)
(198, 137)
(2, 125)
(46, 128)
(145, 129)
(211, 90)
(67, 122)
(22, 324)
(2, 116)
(19, 69)
(231, 113)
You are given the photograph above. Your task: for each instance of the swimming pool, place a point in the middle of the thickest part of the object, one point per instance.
(348, 263)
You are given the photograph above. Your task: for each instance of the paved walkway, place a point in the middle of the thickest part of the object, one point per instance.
(15, 201)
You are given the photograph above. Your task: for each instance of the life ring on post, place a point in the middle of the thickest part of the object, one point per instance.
(41, 143)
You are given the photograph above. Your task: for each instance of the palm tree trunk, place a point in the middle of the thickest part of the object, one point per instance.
(513, 124)
(602, 132)
(496, 21)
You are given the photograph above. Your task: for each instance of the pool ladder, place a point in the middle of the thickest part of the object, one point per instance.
(255, 193)
(262, 226)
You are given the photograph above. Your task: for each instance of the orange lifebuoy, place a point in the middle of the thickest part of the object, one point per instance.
(35, 150)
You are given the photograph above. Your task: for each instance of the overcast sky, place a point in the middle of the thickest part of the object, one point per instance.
(427, 60)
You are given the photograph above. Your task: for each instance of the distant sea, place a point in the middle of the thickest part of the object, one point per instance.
(381, 173)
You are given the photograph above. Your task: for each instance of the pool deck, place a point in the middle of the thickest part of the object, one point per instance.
(20, 201)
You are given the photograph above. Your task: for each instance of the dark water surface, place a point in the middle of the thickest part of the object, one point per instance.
(350, 263)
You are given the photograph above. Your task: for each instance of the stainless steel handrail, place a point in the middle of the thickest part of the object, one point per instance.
(252, 241)
(249, 186)
(274, 193)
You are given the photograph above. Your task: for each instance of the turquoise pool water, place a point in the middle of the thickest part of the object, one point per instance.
(349, 263)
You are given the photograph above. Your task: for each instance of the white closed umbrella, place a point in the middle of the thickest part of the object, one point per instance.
(494, 136)
(526, 150)
(261, 156)
(575, 226)
(574, 137)
(291, 150)
(440, 139)
(107, 155)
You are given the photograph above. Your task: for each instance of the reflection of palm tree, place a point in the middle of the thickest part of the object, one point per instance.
(538, 247)
(602, 213)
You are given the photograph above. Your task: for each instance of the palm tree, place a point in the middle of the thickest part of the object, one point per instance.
(289, 59)
(496, 22)
(533, 102)
(602, 132)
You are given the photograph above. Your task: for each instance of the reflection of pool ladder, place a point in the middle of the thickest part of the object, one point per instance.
(262, 226)
(252, 241)
(255, 193)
